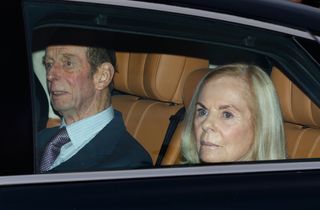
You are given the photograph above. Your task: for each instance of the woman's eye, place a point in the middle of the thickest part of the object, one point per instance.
(227, 115)
(202, 112)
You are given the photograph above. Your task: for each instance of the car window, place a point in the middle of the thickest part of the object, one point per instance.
(155, 53)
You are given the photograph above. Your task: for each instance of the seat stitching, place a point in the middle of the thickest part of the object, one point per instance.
(127, 74)
(291, 101)
(297, 143)
(154, 88)
(180, 79)
(311, 113)
(130, 113)
(142, 117)
(314, 147)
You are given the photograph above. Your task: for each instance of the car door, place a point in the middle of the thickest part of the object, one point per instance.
(219, 32)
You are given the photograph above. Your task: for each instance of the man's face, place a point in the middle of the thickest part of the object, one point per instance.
(71, 86)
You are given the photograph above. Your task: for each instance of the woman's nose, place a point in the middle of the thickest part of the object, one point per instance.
(208, 124)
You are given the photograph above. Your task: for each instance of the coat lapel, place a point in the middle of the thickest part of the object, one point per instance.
(100, 148)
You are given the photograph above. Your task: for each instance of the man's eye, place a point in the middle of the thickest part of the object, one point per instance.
(48, 65)
(227, 115)
(201, 112)
(68, 64)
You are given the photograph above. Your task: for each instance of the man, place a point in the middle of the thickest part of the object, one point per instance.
(79, 82)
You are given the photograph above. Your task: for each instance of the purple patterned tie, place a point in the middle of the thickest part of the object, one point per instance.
(52, 149)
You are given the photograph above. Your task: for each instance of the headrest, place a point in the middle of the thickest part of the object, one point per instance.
(296, 107)
(154, 76)
(191, 83)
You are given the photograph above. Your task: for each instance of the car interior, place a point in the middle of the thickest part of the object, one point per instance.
(163, 49)
(159, 64)
(301, 117)
(150, 88)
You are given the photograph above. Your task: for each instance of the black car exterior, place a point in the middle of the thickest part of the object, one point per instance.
(290, 184)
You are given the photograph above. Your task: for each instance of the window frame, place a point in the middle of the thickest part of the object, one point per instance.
(218, 169)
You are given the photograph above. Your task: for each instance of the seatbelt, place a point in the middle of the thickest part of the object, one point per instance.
(174, 121)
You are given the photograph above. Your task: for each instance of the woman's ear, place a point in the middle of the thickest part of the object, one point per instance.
(103, 76)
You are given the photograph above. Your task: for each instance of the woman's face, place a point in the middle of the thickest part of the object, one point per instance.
(223, 120)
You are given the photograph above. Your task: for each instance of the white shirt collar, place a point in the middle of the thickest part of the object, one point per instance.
(82, 130)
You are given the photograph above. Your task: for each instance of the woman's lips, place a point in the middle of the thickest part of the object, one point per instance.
(209, 144)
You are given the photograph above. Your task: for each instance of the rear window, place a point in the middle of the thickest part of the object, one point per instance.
(154, 53)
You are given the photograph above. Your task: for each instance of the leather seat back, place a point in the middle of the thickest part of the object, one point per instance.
(152, 87)
(301, 117)
(173, 155)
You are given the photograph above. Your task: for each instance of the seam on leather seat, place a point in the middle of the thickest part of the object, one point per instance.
(126, 75)
(312, 115)
(130, 112)
(296, 146)
(142, 117)
(291, 101)
(180, 78)
(314, 147)
(127, 72)
(159, 57)
(143, 75)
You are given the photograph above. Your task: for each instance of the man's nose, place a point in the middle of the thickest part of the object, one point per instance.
(53, 72)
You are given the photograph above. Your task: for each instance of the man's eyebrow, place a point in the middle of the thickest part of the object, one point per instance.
(64, 55)
(69, 55)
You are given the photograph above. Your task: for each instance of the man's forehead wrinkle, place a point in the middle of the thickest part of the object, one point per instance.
(62, 52)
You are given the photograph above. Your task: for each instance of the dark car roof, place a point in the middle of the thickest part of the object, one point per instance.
(283, 12)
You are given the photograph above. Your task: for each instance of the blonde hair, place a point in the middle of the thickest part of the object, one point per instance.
(269, 140)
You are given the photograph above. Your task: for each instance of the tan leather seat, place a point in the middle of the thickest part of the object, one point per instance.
(301, 116)
(152, 85)
(173, 155)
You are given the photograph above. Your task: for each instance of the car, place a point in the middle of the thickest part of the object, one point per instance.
(159, 45)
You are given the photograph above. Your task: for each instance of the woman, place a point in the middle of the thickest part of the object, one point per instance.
(234, 115)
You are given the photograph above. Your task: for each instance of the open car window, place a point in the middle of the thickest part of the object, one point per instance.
(155, 51)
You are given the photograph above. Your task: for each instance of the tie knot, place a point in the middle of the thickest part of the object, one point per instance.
(60, 138)
(53, 148)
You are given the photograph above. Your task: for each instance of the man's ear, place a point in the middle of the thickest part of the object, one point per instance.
(103, 76)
